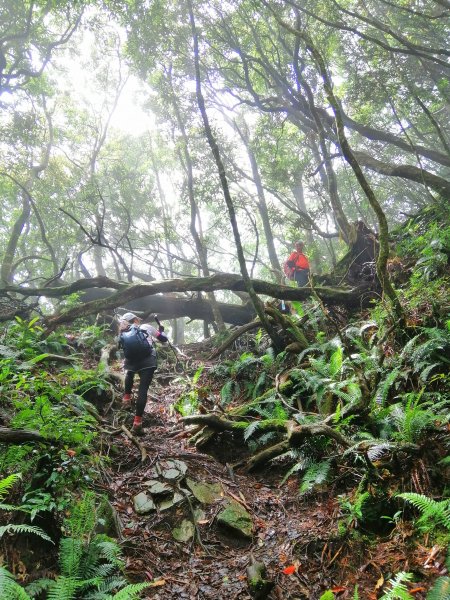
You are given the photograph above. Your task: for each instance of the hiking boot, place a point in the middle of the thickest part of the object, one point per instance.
(137, 429)
(126, 400)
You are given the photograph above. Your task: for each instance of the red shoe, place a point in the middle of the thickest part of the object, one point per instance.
(137, 428)
(126, 399)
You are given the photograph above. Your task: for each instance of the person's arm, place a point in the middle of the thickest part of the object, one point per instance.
(292, 260)
(156, 333)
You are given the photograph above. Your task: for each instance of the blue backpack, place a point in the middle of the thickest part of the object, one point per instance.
(134, 343)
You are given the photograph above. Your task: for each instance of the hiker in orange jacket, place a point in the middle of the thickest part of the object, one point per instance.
(299, 265)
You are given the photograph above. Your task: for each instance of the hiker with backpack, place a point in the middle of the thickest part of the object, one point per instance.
(297, 265)
(136, 342)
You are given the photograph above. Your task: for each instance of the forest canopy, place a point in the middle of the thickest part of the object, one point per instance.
(139, 139)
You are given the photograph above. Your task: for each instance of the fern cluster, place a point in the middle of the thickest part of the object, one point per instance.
(5, 486)
(91, 566)
(434, 513)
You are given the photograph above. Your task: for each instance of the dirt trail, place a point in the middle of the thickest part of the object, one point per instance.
(290, 532)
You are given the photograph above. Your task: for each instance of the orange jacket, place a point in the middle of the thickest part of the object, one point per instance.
(298, 260)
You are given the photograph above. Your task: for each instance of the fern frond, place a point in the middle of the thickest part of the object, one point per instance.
(250, 430)
(316, 474)
(70, 553)
(385, 385)
(299, 466)
(259, 385)
(351, 394)
(9, 589)
(82, 519)
(320, 365)
(8, 507)
(131, 592)
(398, 588)
(7, 483)
(108, 586)
(424, 374)
(432, 510)
(377, 451)
(267, 437)
(227, 391)
(440, 589)
(25, 529)
(64, 588)
(110, 550)
(38, 586)
(335, 364)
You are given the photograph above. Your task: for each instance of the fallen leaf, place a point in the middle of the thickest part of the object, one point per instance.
(337, 589)
(157, 583)
(289, 570)
(380, 582)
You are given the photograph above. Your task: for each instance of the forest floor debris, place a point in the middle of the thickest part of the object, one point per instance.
(297, 538)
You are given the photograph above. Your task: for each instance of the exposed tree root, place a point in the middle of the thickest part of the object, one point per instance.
(136, 442)
(295, 434)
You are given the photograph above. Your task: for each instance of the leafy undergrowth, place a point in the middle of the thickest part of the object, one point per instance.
(338, 454)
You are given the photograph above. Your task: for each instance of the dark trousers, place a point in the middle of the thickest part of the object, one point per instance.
(301, 276)
(145, 379)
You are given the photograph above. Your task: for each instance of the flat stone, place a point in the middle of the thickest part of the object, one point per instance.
(206, 493)
(235, 517)
(172, 469)
(143, 504)
(158, 488)
(184, 532)
(166, 504)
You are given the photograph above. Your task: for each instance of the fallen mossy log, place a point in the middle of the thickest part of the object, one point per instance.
(215, 422)
(21, 436)
(291, 329)
(126, 292)
(57, 358)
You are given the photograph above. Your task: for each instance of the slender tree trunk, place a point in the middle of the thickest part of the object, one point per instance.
(341, 219)
(297, 190)
(6, 270)
(262, 204)
(195, 215)
(383, 254)
(259, 307)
